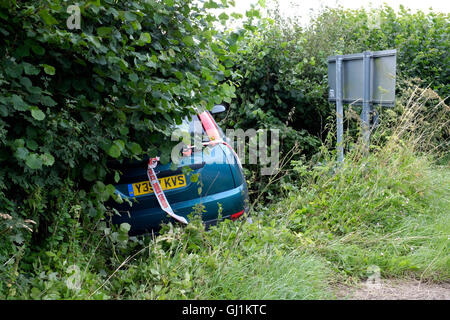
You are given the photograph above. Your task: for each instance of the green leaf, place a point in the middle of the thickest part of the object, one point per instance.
(120, 144)
(22, 51)
(104, 31)
(189, 41)
(33, 161)
(133, 77)
(122, 237)
(14, 70)
(89, 172)
(48, 101)
(47, 17)
(30, 69)
(116, 177)
(136, 25)
(47, 159)
(18, 143)
(124, 131)
(223, 16)
(135, 148)
(144, 38)
(49, 69)
(125, 227)
(194, 177)
(26, 82)
(37, 114)
(21, 153)
(17, 238)
(114, 151)
(179, 75)
(18, 103)
(110, 189)
(129, 16)
(38, 49)
(32, 145)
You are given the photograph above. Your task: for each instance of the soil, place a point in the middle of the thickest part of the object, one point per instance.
(395, 290)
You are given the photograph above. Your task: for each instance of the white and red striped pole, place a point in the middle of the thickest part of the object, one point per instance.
(159, 193)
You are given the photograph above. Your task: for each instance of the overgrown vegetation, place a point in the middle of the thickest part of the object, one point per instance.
(283, 68)
(72, 99)
(388, 209)
(141, 66)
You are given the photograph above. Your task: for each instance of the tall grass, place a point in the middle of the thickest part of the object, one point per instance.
(389, 208)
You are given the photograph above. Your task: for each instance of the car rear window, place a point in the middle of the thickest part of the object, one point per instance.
(193, 125)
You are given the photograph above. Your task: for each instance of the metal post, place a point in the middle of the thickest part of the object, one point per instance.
(339, 110)
(365, 116)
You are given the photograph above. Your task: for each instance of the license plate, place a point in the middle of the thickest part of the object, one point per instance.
(167, 183)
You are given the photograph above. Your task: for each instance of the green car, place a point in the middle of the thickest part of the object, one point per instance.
(220, 176)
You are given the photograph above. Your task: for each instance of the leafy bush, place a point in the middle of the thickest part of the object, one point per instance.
(72, 99)
(421, 40)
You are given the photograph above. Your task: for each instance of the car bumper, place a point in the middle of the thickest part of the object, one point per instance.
(149, 219)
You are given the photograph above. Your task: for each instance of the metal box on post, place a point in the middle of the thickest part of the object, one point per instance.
(365, 79)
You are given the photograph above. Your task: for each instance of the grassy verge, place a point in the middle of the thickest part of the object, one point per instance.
(392, 214)
(399, 223)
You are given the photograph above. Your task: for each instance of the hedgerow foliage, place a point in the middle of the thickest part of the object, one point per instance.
(283, 64)
(283, 67)
(72, 99)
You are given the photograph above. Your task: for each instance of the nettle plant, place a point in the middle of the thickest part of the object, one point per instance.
(70, 99)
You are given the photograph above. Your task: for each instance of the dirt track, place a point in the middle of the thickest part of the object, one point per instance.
(395, 290)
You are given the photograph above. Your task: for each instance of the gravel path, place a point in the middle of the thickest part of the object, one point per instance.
(395, 290)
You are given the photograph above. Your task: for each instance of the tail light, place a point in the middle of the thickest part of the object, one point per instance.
(237, 215)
